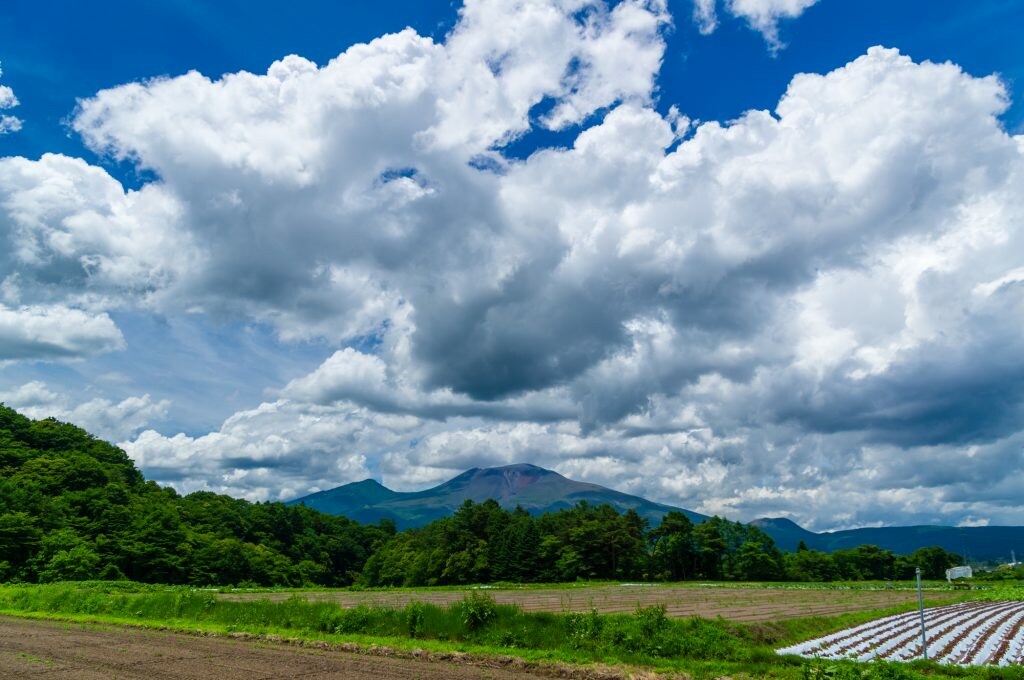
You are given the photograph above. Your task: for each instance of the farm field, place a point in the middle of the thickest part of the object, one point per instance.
(642, 628)
(965, 634)
(56, 651)
(732, 603)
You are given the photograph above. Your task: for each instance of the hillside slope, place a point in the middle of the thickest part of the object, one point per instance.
(980, 544)
(534, 488)
(74, 507)
(539, 490)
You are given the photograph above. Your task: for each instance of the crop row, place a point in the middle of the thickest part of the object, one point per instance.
(966, 634)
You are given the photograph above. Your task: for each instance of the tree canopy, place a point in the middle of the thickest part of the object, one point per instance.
(73, 507)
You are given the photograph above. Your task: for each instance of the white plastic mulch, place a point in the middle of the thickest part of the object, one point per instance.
(966, 634)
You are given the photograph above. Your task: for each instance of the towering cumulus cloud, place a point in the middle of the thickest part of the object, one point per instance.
(802, 309)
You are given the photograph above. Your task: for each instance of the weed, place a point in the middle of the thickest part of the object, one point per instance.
(702, 648)
(414, 615)
(478, 610)
(584, 629)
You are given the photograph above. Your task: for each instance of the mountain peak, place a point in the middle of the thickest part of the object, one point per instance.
(516, 468)
(529, 486)
(503, 483)
(367, 483)
(777, 523)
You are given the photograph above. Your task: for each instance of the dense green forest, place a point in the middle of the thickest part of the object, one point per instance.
(74, 507)
(483, 543)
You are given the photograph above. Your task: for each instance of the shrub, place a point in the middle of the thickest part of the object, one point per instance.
(478, 610)
(355, 620)
(584, 629)
(414, 615)
(330, 620)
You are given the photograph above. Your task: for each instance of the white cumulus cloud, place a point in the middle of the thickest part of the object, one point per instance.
(104, 418)
(8, 100)
(762, 15)
(809, 306)
(55, 332)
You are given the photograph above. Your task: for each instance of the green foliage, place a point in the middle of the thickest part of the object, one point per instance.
(73, 507)
(415, 613)
(933, 561)
(1002, 573)
(699, 647)
(645, 635)
(584, 629)
(478, 610)
(811, 565)
(869, 562)
(845, 670)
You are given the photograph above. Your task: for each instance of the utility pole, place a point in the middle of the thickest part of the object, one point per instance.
(920, 608)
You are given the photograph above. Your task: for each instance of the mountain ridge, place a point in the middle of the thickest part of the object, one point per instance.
(532, 487)
(540, 490)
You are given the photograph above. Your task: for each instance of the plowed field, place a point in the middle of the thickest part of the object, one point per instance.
(58, 651)
(735, 604)
(965, 634)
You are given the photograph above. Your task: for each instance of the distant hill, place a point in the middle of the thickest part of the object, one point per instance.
(534, 488)
(787, 533)
(539, 490)
(982, 544)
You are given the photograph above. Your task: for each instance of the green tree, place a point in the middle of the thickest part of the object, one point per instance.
(810, 565)
(673, 552)
(78, 563)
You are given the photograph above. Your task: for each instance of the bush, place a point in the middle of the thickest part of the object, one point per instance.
(478, 610)
(414, 614)
(647, 633)
(355, 620)
(330, 620)
(651, 620)
(584, 629)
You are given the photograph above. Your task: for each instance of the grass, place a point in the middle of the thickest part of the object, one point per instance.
(476, 624)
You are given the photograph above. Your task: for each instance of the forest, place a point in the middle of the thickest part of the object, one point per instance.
(73, 507)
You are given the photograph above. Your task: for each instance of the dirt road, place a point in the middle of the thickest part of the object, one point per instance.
(63, 651)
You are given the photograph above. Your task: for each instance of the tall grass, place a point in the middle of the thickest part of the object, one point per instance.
(700, 647)
(647, 634)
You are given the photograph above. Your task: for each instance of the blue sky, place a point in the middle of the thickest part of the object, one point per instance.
(268, 301)
(715, 77)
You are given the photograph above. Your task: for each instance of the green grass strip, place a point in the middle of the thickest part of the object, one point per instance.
(477, 625)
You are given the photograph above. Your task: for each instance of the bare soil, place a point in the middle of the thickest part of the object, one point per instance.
(734, 604)
(67, 651)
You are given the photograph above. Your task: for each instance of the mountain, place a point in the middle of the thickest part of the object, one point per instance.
(534, 488)
(786, 533)
(539, 490)
(981, 544)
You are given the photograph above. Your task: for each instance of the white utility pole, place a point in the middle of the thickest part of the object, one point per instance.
(920, 608)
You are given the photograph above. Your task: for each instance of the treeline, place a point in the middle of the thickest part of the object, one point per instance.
(482, 542)
(73, 507)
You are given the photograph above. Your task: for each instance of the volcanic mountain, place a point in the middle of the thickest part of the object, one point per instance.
(533, 488)
(538, 490)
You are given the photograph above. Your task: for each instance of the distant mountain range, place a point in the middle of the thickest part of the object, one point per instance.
(539, 490)
(981, 544)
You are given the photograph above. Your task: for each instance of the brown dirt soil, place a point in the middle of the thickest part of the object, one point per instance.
(66, 651)
(734, 604)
